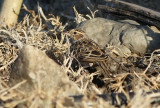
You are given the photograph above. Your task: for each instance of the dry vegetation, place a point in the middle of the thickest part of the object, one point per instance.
(45, 33)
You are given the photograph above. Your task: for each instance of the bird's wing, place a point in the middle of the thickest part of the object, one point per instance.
(88, 51)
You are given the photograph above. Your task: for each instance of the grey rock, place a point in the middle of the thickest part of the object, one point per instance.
(39, 70)
(127, 35)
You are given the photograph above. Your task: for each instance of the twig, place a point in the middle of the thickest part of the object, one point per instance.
(132, 11)
(135, 8)
(151, 60)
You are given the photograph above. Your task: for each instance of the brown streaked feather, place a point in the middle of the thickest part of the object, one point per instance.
(105, 68)
(86, 50)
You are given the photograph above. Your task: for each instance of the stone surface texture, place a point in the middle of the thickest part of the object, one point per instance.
(39, 71)
(127, 35)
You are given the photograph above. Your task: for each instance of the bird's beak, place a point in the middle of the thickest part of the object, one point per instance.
(66, 33)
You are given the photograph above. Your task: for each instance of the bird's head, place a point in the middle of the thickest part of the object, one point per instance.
(75, 34)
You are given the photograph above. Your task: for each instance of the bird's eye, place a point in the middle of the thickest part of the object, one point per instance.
(74, 32)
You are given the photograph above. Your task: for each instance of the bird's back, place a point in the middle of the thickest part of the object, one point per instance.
(87, 50)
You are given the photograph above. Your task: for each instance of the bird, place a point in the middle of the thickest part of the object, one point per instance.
(86, 50)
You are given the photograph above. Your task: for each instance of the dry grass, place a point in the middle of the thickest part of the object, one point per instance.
(46, 34)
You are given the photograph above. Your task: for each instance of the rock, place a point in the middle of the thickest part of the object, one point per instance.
(38, 69)
(128, 35)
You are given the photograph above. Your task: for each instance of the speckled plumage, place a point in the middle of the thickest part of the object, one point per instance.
(86, 50)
